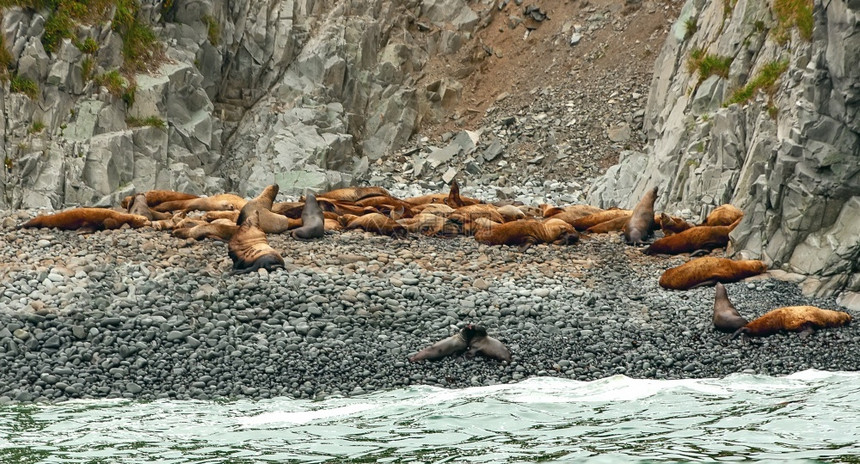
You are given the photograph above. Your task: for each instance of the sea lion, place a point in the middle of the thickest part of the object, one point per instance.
(210, 216)
(439, 209)
(527, 232)
(723, 215)
(250, 250)
(374, 222)
(313, 220)
(455, 344)
(222, 202)
(156, 197)
(138, 205)
(708, 271)
(510, 213)
(641, 222)
(429, 224)
(290, 209)
(612, 225)
(385, 204)
(262, 202)
(693, 239)
(87, 219)
(726, 317)
(803, 319)
(168, 224)
(573, 212)
(353, 194)
(454, 199)
(214, 230)
(482, 344)
(591, 220)
(672, 224)
(340, 208)
(467, 214)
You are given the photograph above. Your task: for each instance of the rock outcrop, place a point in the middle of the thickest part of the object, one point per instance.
(298, 92)
(788, 153)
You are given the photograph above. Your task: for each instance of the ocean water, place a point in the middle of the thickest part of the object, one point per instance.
(811, 416)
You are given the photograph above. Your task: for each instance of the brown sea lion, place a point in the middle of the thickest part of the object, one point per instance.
(138, 205)
(168, 224)
(290, 209)
(87, 219)
(214, 231)
(708, 271)
(386, 204)
(726, 317)
(510, 213)
(210, 216)
(693, 239)
(527, 232)
(723, 215)
(572, 212)
(429, 224)
(803, 319)
(482, 344)
(467, 214)
(353, 194)
(439, 209)
(332, 225)
(584, 222)
(313, 220)
(672, 224)
(641, 222)
(340, 208)
(250, 250)
(612, 225)
(374, 222)
(157, 197)
(222, 202)
(455, 344)
(455, 200)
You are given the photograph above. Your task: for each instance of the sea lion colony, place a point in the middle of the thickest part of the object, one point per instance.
(243, 224)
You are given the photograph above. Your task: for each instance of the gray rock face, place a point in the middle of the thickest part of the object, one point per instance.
(298, 92)
(791, 162)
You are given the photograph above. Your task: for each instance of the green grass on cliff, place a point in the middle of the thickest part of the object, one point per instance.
(140, 46)
(793, 13)
(707, 64)
(764, 80)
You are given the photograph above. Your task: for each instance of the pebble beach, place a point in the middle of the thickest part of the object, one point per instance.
(141, 314)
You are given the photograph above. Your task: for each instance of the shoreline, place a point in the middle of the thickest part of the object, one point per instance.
(141, 314)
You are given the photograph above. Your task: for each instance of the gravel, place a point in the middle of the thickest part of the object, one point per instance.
(141, 314)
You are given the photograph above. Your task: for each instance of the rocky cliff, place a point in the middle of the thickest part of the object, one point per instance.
(756, 103)
(229, 96)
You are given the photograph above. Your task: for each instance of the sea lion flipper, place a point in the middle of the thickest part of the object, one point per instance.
(807, 330)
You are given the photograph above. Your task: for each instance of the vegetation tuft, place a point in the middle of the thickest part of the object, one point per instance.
(213, 29)
(793, 13)
(37, 126)
(708, 65)
(117, 85)
(764, 80)
(140, 46)
(152, 121)
(690, 27)
(5, 58)
(25, 86)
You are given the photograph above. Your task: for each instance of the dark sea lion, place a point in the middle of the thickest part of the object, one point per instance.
(222, 202)
(455, 344)
(527, 232)
(313, 220)
(708, 271)
(87, 219)
(641, 222)
(482, 344)
(803, 319)
(157, 197)
(353, 194)
(693, 239)
(726, 317)
(723, 215)
(250, 250)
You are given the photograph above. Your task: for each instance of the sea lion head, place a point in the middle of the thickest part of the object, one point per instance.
(138, 221)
